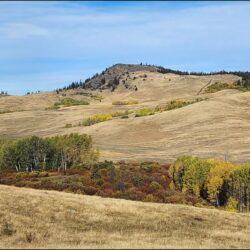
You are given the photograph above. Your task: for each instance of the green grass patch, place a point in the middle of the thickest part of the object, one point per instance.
(239, 85)
(97, 97)
(53, 107)
(128, 102)
(144, 112)
(221, 86)
(67, 102)
(175, 104)
(68, 125)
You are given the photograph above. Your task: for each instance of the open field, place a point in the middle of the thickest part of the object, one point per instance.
(49, 219)
(216, 127)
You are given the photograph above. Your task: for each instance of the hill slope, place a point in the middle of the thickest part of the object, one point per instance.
(215, 127)
(48, 219)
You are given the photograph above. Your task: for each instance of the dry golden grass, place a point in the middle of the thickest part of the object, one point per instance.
(212, 128)
(49, 219)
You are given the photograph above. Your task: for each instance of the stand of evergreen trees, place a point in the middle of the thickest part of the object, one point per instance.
(76, 84)
(59, 152)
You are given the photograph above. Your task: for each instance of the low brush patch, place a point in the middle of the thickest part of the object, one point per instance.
(242, 85)
(220, 86)
(97, 97)
(129, 102)
(96, 119)
(67, 102)
(121, 113)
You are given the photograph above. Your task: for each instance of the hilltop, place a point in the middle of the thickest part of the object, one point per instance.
(116, 75)
(50, 219)
(119, 74)
(216, 126)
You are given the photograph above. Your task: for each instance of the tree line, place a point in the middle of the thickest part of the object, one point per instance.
(35, 153)
(78, 84)
(219, 182)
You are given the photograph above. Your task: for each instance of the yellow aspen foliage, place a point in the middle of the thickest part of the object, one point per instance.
(218, 174)
(213, 188)
(231, 205)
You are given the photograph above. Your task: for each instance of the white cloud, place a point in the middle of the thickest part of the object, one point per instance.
(22, 30)
(212, 36)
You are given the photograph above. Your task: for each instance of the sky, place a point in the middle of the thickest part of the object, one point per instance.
(47, 45)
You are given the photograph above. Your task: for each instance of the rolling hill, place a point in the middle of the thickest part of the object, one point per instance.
(217, 126)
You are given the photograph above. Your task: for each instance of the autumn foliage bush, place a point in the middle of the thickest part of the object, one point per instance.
(96, 119)
(149, 166)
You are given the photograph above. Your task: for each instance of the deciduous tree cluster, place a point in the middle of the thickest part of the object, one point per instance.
(59, 152)
(219, 182)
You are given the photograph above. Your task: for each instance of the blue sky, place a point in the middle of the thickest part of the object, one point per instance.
(46, 45)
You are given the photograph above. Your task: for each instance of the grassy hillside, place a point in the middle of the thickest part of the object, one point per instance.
(212, 128)
(49, 219)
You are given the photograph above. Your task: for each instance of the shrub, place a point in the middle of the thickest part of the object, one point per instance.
(125, 117)
(138, 180)
(106, 186)
(30, 237)
(144, 112)
(68, 125)
(176, 104)
(22, 175)
(99, 182)
(96, 119)
(154, 186)
(97, 97)
(231, 205)
(129, 102)
(54, 107)
(150, 198)
(121, 113)
(95, 170)
(67, 102)
(43, 174)
(34, 174)
(7, 228)
(219, 86)
(90, 190)
(120, 185)
(87, 181)
(6, 111)
(132, 102)
(149, 166)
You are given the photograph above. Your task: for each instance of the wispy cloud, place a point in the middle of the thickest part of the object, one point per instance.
(44, 39)
(22, 31)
